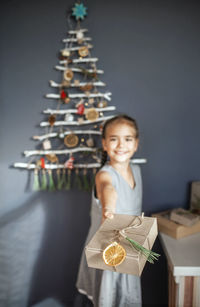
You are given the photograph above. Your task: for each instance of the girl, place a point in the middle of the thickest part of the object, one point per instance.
(118, 190)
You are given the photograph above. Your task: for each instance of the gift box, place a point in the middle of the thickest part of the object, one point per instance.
(140, 229)
(184, 217)
(195, 197)
(173, 229)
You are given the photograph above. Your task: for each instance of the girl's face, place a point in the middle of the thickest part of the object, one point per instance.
(120, 142)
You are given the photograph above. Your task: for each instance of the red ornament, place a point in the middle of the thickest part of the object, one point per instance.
(63, 95)
(70, 163)
(80, 109)
(42, 162)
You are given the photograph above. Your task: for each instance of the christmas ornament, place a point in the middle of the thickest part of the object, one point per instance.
(52, 158)
(79, 11)
(91, 114)
(102, 104)
(86, 87)
(46, 145)
(79, 36)
(65, 83)
(90, 142)
(83, 51)
(68, 75)
(91, 100)
(65, 52)
(69, 117)
(80, 109)
(71, 140)
(69, 163)
(51, 120)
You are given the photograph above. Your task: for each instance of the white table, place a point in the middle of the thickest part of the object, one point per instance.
(183, 257)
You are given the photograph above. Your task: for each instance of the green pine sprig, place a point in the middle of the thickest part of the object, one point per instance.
(150, 255)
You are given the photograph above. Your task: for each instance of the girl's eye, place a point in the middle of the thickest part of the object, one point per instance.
(112, 139)
(129, 139)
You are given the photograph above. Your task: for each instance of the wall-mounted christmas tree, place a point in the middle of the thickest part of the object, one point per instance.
(70, 150)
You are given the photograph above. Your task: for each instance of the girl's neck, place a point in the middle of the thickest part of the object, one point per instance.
(120, 167)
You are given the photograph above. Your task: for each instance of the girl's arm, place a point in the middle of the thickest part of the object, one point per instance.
(106, 194)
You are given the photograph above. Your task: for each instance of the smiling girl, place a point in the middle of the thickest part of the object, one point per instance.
(118, 188)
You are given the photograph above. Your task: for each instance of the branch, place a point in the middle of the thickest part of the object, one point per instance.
(74, 39)
(52, 111)
(90, 95)
(98, 71)
(78, 47)
(29, 153)
(76, 123)
(84, 60)
(99, 83)
(62, 134)
(56, 166)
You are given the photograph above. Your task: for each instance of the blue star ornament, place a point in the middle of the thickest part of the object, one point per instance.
(79, 11)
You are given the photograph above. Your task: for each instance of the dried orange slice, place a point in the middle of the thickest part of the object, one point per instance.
(114, 254)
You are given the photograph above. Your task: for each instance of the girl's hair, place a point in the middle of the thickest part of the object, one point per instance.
(117, 119)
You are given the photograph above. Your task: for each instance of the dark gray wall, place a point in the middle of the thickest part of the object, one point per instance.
(149, 51)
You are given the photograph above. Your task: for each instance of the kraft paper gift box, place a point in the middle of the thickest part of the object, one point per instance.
(144, 232)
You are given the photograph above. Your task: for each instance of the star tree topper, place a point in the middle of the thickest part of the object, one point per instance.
(79, 11)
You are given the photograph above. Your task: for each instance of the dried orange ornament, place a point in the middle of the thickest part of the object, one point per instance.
(114, 254)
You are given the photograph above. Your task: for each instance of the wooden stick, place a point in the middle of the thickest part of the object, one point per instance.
(74, 39)
(99, 83)
(56, 166)
(77, 48)
(84, 60)
(29, 153)
(62, 134)
(53, 111)
(90, 95)
(63, 68)
(76, 31)
(76, 123)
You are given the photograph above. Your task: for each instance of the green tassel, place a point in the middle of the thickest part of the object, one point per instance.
(77, 180)
(43, 180)
(86, 185)
(36, 184)
(150, 255)
(93, 177)
(51, 182)
(59, 180)
(68, 184)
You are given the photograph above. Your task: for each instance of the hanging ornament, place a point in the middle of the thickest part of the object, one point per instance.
(69, 163)
(51, 181)
(46, 145)
(51, 120)
(80, 109)
(66, 83)
(64, 96)
(65, 52)
(102, 104)
(86, 87)
(69, 117)
(90, 142)
(76, 82)
(91, 114)
(79, 11)
(68, 75)
(36, 183)
(79, 36)
(52, 158)
(43, 180)
(83, 51)
(71, 140)
(91, 100)
(80, 120)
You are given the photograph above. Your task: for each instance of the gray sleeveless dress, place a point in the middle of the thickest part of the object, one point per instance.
(107, 288)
